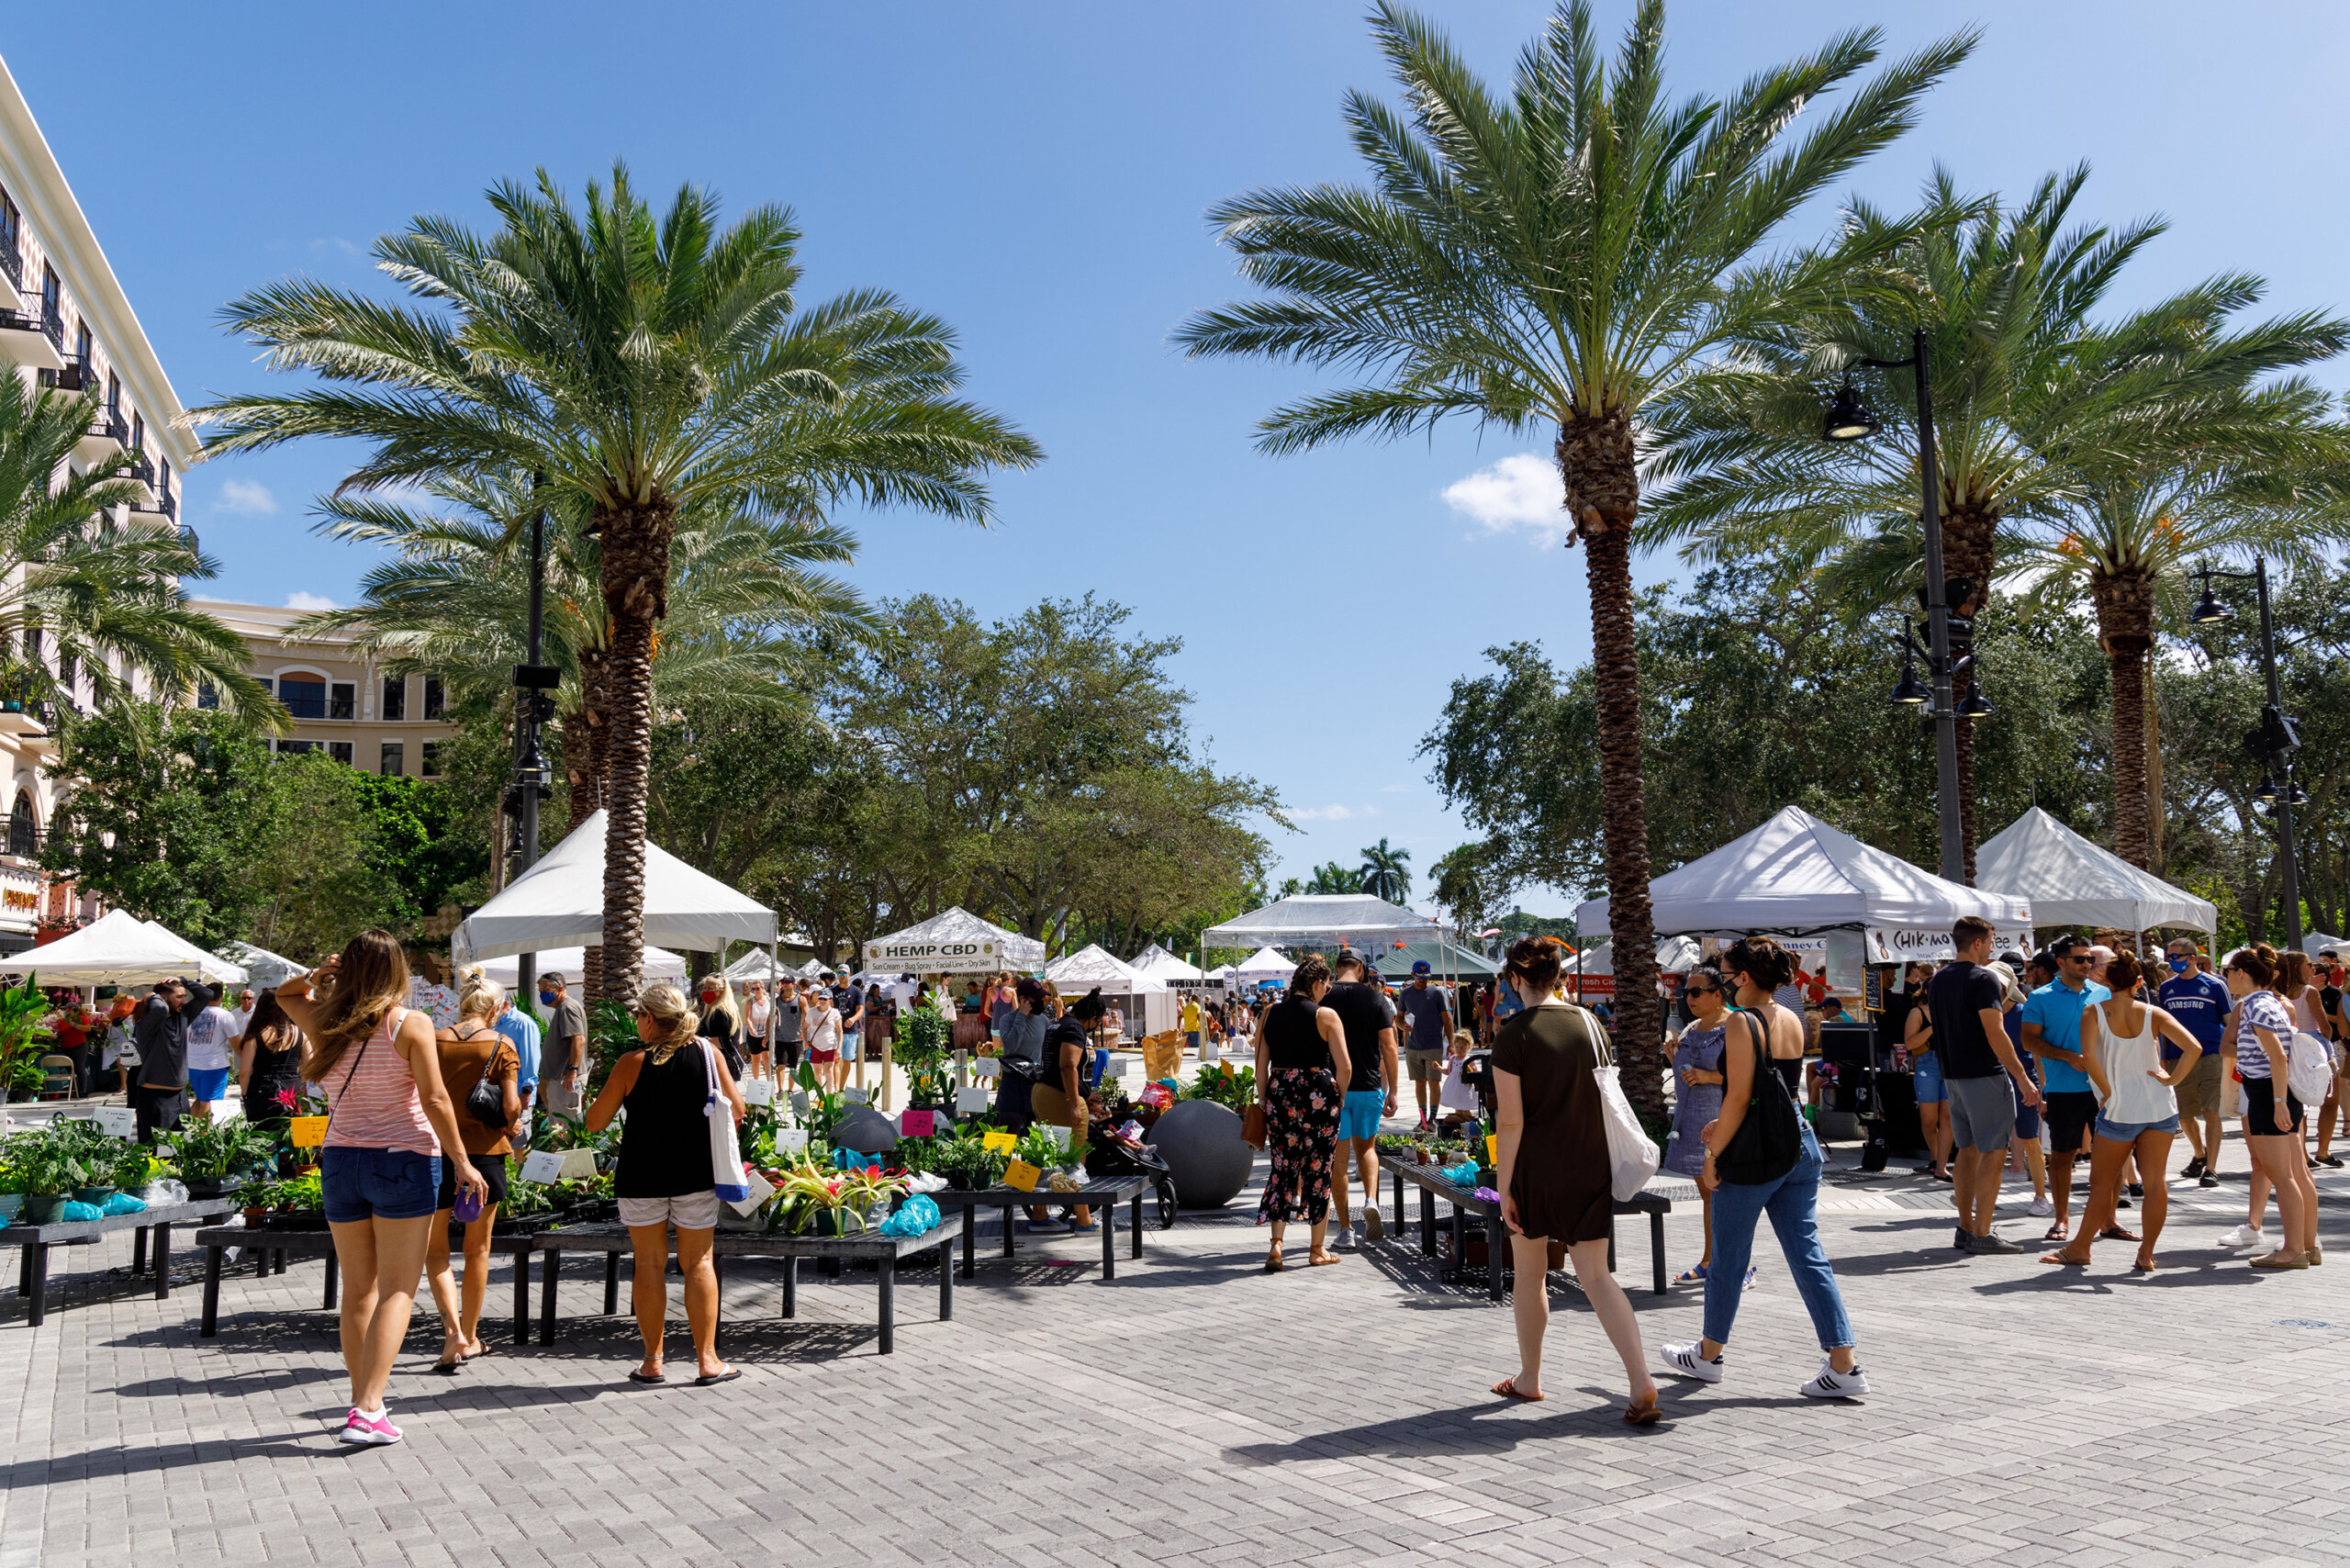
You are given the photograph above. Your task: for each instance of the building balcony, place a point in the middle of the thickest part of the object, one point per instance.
(76, 375)
(139, 473)
(14, 720)
(106, 438)
(36, 338)
(11, 268)
(20, 837)
(164, 508)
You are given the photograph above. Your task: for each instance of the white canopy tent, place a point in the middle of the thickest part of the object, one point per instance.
(559, 903)
(1797, 875)
(1594, 967)
(2072, 882)
(1264, 964)
(1096, 965)
(1159, 964)
(120, 949)
(660, 964)
(953, 941)
(1324, 920)
(265, 970)
(2317, 942)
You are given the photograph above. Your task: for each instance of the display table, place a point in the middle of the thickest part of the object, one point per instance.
(36, 1239)
(1102, 1192)
(271, 1248)
(1430, 1181)
(883, 1251)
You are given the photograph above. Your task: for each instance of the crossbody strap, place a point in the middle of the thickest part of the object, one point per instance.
(398, 1016)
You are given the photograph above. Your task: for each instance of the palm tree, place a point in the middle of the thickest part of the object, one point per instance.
(1556, 260)
(453, 599)
(1386, 872)
(1332, 877)
(2030, 395)
(646, 366)
(89, 603)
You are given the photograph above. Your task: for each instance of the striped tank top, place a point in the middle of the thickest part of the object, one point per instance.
(374, 1098)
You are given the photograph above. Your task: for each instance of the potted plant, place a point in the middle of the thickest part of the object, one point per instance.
(12, 1187)
(214, 1157)
(261, 1200)
(51, 1170)
(301, 1201)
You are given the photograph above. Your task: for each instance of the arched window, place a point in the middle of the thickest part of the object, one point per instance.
(24, 828)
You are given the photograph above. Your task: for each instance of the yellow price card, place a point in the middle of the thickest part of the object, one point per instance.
(1493, 1150)
(999, 1142)
(306, 1132)
(1021, 1174)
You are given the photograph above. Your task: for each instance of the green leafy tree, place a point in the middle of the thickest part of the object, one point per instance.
(1557, 258)
(167, 813)
(646, 366)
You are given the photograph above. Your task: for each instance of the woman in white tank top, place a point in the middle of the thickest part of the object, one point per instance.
(2137, 1110)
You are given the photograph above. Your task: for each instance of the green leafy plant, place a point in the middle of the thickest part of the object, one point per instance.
(22, 1037)
(1040, 1149)
(1231, 1086)
(48, 1164)
(304, 1193)
(923, 1052)
(825, 1109)
(967, 1163)
(215, 1149)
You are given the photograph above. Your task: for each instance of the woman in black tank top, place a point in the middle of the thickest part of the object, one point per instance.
(1300, 1060)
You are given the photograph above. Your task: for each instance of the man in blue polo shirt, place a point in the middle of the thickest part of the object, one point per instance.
(2052, 1031)
(523, 1030)
(2201, 1003)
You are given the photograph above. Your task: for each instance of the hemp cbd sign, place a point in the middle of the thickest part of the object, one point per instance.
(933, 957)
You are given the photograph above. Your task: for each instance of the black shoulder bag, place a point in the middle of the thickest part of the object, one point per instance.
(487, 1104)
(1770, 1140)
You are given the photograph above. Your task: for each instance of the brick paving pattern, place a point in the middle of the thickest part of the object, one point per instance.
(1199, 1411)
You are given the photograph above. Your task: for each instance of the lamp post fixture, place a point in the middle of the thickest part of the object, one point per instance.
(533, 779)
(1849, 419)
(2279, 739)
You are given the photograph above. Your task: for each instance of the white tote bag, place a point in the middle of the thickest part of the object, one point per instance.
(1632, 1155)
(725, 1154)
(2311, 1063)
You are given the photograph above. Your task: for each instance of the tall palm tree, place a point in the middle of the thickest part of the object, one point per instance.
(2032, 393)
(645, 365)
(1387, 873)
(1556, 260)
(454, 599)
(91, 603)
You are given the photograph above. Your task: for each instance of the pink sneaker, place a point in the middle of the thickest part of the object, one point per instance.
(376, 1430)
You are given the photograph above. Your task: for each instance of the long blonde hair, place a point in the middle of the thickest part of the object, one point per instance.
(666, 1005)
(371, 978)
(481, 996)
(726, 1003)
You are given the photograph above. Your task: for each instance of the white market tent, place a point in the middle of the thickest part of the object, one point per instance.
(1081, 971)
(1159, 963)
(120, 949)
(1795, 875)
(1594, 967)
(660, 964)
(2317, 942)
(559, 903)
(2072, 882)
(1324, 920)
(266, 970)
(1264, 964)
(953, 941)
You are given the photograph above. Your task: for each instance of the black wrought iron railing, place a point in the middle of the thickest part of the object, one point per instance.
(12, 262)
(140, 469)
(110, 423)
(46, 321)
(20, 836)
(79, 375)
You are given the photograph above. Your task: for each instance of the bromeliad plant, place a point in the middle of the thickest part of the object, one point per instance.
(1235, 1087)
(810, 1194)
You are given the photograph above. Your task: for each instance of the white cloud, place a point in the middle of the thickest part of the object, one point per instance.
(1519, 493)
(245, 497)
(300, 600)
(1333, 812)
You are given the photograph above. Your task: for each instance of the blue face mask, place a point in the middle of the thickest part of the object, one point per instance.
(546, 999)
(2180, 966)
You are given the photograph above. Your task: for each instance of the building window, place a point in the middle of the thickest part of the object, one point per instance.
(433, 759)
(295, 748)
(138, 433)
(431, 695)
(48, 293)
(391, 765)
(114, 394)
(305, 696)
(396, 696)
(12, 228)
(205, 696)
(24, 828)
(340, 751)
(342, 700)
(265, 683)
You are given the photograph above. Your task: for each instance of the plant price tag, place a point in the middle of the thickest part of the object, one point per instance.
(1060, 1137)
(544, 1165)
(790, 1140)
(1021, 1174)
(986, 1068)
(756, 1092)
(578, 1165)
(799, 1103)
(756, 1190)
(117, 1121)
(1493, 1148)
(917, 1124)
(852, 1096)
(306, 1132)
(971, 1100)
(999, 1142)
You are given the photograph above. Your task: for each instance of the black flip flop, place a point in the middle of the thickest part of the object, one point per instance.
(450, 1368)
(637, 1376)
(729, 1375)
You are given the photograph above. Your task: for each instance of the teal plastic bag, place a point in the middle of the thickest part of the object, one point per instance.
(124, 1204)
(1461, 1175)
(74, 1211)
(916, 1215)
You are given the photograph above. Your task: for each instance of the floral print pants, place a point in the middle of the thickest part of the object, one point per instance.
(1300, 1131)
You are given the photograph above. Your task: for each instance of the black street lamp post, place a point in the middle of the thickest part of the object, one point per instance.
(1849, 420)
(532, 708)
(2279, 739)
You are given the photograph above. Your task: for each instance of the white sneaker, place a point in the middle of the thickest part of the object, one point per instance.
(1833, 1384)
(2241, 1237)
(1345, 1240)
(1682, 1357)
(1375, 1229)
(2042, 1206)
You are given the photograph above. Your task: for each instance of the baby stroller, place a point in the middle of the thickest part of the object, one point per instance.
(1111, 1154)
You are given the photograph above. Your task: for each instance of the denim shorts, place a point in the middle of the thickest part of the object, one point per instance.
(1359, 1118)
(208, 1083)
(2127, 1132)
(1929, 1068)
(377, 1183)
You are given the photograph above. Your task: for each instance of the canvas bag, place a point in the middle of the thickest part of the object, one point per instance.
(725, 1154)
(1632, 1155)
(2310, 1077)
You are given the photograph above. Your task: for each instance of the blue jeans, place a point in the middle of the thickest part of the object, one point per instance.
(1793, 1204)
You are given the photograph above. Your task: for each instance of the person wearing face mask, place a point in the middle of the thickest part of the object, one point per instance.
(563, 1068)
(2200, 1003)
(721, 1023)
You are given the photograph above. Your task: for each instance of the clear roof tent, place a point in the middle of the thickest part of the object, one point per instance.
(953, 941)
(2073, 881)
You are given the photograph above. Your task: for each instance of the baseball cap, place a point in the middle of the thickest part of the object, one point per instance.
(1420, 967)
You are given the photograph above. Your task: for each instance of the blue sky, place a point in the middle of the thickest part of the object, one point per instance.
(1036, 173)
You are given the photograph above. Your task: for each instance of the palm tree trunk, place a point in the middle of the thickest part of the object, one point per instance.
(583, 777)
(636, 595)
(1595, 462)
(2125, 622)
(1970, 537)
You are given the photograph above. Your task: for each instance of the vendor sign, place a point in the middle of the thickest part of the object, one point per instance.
(967, 958)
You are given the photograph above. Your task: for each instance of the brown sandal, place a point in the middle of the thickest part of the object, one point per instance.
(1507, 1389)
(1273, 1261)
(1642, 1412)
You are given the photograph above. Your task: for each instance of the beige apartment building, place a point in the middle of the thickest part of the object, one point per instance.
(342, 700)
(65, 324)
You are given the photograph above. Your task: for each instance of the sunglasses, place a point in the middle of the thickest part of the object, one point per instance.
(1705, 991)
